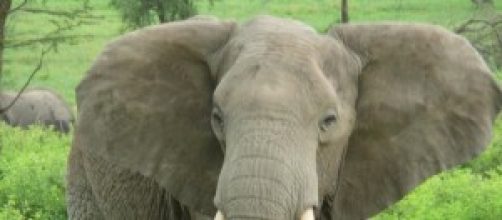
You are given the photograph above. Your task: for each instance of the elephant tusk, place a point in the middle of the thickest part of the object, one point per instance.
(219, 216)
(308, 215)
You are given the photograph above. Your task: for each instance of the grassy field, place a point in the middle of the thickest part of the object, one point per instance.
(32, 163)
(64, 69)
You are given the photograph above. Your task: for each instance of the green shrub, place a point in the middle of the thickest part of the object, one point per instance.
(9, 211)
(32, 172)
(458, 195)
(492, 157)
(473, 191)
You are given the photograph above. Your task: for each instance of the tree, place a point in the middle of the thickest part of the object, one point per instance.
(484, 31)
(345, 11)
(4, 10)
(138, 13)
(63, 20)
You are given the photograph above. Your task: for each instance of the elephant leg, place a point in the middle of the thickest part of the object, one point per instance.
(122, 194)
(98, 190)
(81, 202)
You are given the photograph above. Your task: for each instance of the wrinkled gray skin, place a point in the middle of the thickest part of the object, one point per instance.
(269, 118)
(37, 106)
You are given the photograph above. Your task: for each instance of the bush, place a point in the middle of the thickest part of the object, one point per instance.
(459, 194)
(472, 191)
(33, 168)
(491, 158)
(32, 172)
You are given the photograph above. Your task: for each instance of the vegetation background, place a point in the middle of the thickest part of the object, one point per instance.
(33, 163)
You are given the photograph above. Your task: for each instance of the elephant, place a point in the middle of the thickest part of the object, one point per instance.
(37, 106)
(269, 119)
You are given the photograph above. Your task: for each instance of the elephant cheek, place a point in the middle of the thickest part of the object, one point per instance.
(267, 177)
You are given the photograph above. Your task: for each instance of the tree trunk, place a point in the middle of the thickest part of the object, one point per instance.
(187, 10)
(345, 11)
(161, 11)
(4, 10)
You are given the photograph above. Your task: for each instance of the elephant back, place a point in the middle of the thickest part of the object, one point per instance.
(38, 106)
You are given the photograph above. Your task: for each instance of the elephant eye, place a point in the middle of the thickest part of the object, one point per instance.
(327, 121)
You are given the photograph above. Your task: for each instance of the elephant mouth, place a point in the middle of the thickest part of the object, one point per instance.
(307, 215)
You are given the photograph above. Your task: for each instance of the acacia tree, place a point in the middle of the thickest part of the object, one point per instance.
(138, 13)
(63, 22)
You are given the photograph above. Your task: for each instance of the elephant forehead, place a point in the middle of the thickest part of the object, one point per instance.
(266, 94)
(280, 46)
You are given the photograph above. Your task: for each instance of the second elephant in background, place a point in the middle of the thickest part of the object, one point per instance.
(37, 106)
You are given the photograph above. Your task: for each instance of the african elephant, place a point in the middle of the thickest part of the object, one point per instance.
(272, 120)
(37, 106)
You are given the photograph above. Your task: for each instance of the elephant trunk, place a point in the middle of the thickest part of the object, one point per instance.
(269, 173)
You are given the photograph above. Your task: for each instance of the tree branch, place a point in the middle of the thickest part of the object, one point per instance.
(68, 14)
(485, 34)
(22, 4)
(48, 39)
(56, 36)
(37, 68)
(464, 27)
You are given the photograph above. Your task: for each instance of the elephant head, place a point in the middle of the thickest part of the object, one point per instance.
(37, 106)
(271, 120)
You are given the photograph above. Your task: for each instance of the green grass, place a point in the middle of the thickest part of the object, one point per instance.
(33, 163)
(322, 13)
(63, 70)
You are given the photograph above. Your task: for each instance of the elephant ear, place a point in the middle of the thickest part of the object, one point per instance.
(426, 102)
(145, 105)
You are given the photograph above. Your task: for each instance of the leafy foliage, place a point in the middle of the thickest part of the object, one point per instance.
(144, 12)
(492, 158)
(460, 194)
(32, 173)
(471, 192)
